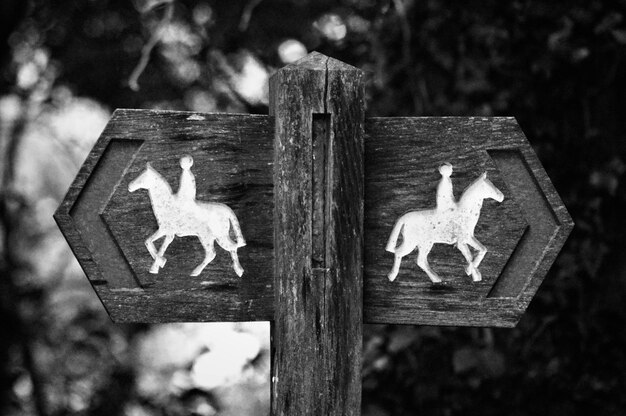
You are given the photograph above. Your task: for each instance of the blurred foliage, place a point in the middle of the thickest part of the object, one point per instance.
(557, 66)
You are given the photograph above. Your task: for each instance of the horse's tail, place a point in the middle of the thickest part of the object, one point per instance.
(393, 238)
(234, 223)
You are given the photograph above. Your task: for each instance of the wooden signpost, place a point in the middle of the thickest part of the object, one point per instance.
(316, 219)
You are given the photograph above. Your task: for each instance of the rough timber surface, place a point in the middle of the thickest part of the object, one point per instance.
(523, 234)
(232, 165)
(317, 185)
(317, 331)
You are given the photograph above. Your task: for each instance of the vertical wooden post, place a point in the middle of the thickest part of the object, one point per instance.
(317, 104)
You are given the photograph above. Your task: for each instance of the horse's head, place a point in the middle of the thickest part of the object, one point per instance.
(489, 190)
(144, 180)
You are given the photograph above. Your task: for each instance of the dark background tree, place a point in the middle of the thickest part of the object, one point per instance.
(558, 66)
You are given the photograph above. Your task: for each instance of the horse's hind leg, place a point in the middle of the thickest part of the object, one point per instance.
(236, 264)
(422, 261)
(400, 252)
(209, 250)
(227, 244)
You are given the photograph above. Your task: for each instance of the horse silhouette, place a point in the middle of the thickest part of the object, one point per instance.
(422, 229)
(179, 217)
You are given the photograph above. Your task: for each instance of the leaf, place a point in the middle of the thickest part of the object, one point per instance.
(608, 23)
(401, 339)
(619, 35)
(492, 363)
(144, 6)
(465, 359)
(489, 362)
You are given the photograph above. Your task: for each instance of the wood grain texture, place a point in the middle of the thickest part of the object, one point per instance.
(402, 157)
(78, 215)
(317, 329)
(310, 202)
(531, 248)
(232, 165)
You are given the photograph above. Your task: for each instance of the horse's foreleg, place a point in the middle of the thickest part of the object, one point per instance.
(399, 252)
(150, 243)
(470, 269)
(482, 250)
(422, 261)
(160, 261)
(209, 250)
(152, 249)
(395, 269)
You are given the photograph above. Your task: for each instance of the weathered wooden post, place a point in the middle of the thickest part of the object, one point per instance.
(313, 209)
(318, 237)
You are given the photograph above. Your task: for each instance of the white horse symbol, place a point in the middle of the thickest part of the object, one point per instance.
(454, 225)
(180, 217)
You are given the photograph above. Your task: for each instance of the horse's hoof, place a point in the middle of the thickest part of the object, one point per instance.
(162, 262)
(391, 277)
(468, 270)
(154, 269)
(435, 279)
(239, 272)
(195, 273)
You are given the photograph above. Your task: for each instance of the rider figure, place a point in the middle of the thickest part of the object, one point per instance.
(445, 194)
(187, 187)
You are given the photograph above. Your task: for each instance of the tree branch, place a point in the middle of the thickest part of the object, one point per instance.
(246, 14)
(146, 51)
(12, 204)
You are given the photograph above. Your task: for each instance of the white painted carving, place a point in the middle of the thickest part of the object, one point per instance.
(450, 222)
(181, 215)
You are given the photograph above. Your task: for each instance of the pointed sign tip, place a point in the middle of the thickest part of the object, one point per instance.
(316, 61)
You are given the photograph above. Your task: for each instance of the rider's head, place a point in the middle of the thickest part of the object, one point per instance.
(186, 162)
(445, 170)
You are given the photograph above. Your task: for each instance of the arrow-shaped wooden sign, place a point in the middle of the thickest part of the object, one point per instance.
(314, 218)
(108, 226)
(522, 234)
